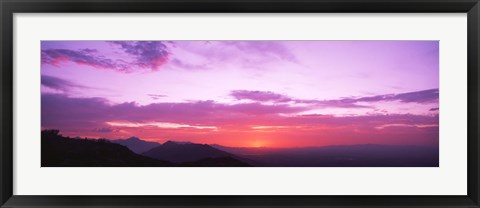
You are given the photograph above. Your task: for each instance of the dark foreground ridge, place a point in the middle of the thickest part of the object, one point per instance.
(60, 151)
(185, 152)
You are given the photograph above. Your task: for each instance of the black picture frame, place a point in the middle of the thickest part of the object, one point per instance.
(9, 7)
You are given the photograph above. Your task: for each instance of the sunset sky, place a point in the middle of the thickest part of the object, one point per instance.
(244, 93)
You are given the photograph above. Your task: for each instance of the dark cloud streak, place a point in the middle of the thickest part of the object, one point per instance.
(424, 96)
(148, 54)
(261, 96)
(58, 84)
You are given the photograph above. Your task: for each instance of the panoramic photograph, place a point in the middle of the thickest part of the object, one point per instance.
(249, 103)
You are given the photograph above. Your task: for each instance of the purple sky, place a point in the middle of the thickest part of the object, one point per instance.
(230, 90)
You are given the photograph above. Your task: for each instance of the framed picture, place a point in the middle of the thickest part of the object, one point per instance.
(268, 103)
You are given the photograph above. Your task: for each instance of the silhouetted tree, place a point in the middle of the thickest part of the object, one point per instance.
(51, 133)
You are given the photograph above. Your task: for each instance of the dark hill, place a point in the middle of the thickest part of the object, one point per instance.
(136, 145)
(59, 151)
(185, 152)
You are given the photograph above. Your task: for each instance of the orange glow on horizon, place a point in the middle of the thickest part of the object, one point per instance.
(258, 143)
(267, 135)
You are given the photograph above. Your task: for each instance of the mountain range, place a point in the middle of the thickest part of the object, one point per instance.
(136, 145)
(59, 151)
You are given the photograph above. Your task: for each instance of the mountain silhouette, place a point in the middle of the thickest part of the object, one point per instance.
(59, 151)
(184, 152)
(136, 145)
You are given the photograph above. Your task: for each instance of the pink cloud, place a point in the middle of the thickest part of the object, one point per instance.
(57, 56)
(148, 54)
(57, 109)
(144, 55)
